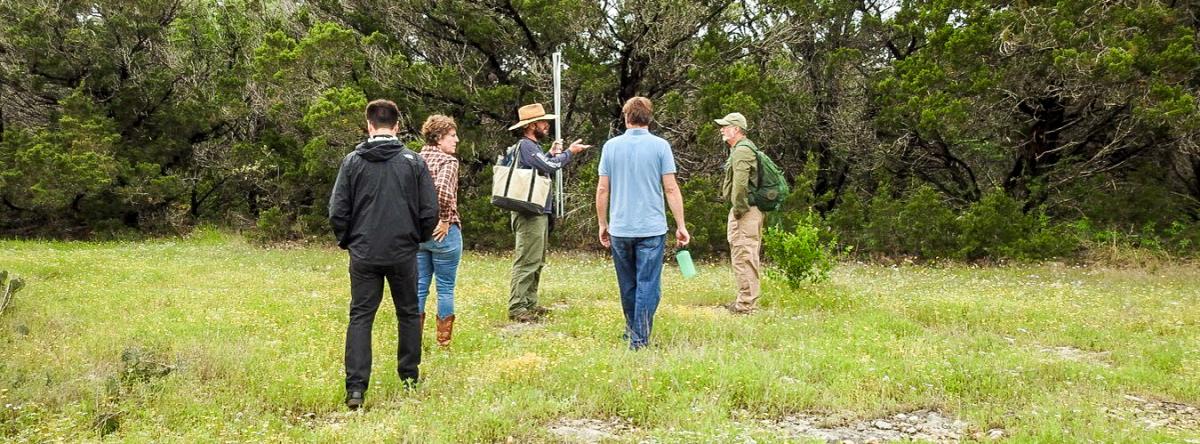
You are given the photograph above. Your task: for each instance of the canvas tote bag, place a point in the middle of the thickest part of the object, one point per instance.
(519, 189)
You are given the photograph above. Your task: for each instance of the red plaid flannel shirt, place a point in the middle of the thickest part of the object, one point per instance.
(444, 169)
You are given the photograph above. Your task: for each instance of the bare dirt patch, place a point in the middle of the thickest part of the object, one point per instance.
(590, 431)
(1078, 355)
(921, 425)
(520, 328)
(1157, 414)
(311, 420)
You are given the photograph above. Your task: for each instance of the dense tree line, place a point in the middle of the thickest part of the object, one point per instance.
(936, 128)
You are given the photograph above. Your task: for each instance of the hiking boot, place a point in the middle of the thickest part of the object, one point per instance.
(354, 399)
(445, 327)
(524, 316)
(733, 308)
(540, 310)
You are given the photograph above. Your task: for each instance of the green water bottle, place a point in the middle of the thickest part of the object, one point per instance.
(684, 259)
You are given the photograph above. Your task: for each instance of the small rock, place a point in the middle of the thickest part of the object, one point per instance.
(995, 434)
(883, 425)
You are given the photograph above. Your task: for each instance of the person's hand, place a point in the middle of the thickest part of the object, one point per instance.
(439, 233)
(577, 147)
(682, 237)
(556, 147)
(604, 239)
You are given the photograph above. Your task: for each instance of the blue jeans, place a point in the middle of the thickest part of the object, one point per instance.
(440, 260)
(639, 263)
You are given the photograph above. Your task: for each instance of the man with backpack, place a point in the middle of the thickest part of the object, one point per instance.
(752, 185)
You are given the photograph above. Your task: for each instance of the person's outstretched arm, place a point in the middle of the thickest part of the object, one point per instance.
(533, 157)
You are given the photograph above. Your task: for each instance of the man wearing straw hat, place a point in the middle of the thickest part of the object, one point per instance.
(531, 230)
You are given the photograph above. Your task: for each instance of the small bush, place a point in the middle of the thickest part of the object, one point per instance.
(992, 226)
(800, 255)
(927, 226)
(273, 225)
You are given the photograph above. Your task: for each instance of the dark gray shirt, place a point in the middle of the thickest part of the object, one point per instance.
(533, 157)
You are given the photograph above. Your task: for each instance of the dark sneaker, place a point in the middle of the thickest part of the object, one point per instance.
(354, 400)
(540, 310)
(409, 383)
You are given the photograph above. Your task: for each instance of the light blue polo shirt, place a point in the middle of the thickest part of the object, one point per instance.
(635, 163)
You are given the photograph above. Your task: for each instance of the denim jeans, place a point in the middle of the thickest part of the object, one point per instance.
(639, 263)
(439, 260)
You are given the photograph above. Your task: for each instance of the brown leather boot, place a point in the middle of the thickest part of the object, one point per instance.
(444, 328)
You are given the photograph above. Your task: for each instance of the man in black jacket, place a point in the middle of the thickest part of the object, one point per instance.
(383, 206)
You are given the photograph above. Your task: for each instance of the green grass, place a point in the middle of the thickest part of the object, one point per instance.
(253, 340)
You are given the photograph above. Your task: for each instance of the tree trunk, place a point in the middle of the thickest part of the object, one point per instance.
(1037, 153)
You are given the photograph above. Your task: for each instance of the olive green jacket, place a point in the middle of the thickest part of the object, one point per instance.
(741, 172)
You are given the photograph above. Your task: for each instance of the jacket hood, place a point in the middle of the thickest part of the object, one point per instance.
(379, 150)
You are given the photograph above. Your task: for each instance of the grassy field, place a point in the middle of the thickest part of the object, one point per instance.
(211, 339)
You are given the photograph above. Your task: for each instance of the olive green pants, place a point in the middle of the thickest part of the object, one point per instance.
(529, 256)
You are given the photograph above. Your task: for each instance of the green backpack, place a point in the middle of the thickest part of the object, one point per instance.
(772, 186)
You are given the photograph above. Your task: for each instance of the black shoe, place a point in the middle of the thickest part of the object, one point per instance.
(409, 384)
(354, 400)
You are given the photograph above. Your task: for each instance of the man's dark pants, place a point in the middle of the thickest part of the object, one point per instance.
(366, 292)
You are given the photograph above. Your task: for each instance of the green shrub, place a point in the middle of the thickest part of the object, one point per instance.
(927, 226)
(847, 221)
(800, 255)
(273, 225)
(924, 225)
(992, 226)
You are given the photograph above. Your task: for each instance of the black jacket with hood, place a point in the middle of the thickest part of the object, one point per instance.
(383, 204)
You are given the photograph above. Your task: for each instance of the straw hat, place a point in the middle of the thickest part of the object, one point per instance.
(531, 113)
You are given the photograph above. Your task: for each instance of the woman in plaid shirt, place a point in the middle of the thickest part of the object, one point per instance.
(439, 257)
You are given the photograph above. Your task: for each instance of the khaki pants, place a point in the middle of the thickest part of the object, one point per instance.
(745, 243)
(529, 257)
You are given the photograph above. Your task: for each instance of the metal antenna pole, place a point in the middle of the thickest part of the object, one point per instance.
(559, 207)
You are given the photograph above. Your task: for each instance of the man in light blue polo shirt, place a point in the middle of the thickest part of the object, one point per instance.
(636, 170)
